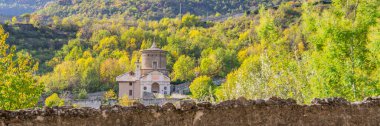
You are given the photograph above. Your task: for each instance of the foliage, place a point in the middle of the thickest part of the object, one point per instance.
(41, 42)
(125, 101)
(82, 94)
(110, 94)
(18, 86)
(54, 100)
(202, 88)
(147, 9)
(299, 50)
(182, 69)
(330, 57)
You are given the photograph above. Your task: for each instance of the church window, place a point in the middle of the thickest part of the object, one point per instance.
(165, 92)
(144, 88)
(154, 65)
(130, 92)
(130, 83)
(164, 88)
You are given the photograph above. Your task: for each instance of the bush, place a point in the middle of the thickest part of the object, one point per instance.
(54, 100)
(82, 94)
(110, 94)
(125, 101)
(202, 88)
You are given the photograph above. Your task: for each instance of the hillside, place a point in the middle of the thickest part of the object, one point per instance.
(150, 9)
(41, 42)
(18, 7)
(290, 49)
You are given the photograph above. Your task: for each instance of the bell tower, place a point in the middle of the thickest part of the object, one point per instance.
(153, 59)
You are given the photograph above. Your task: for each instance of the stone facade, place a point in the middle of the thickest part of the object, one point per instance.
(150, 76)
(240, 112)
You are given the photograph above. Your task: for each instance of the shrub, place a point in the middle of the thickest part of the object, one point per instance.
(54, 100)
(82, 94)
(202, 88)
(110, 94)
(125, 101)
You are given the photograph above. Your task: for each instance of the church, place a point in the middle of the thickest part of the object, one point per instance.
(150, 76)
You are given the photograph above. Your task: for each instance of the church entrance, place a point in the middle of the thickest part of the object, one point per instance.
(155, 88)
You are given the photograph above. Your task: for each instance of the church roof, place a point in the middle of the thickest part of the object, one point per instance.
(152, 72)
(153, 48)
(128, 76)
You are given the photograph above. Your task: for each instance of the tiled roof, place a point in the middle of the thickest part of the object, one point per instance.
(129, 76)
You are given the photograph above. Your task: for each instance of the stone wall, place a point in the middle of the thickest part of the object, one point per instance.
(273, 111)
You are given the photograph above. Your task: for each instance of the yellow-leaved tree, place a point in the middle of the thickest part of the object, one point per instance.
(18, 86)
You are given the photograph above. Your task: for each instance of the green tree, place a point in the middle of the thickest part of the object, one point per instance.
(339, 36)
(202, 88)
(18, 86)
(189, 20)
(56, 21)
(183, 68)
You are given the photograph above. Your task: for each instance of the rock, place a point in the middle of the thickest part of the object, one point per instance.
(156, 107)
(138, 105)
(116, 107)
(47, 111)
(243, 101)
(330, 101)
(225, 104)
(260, 102)
(317, 101)
(252, 102)
(204, 105)
(187, 105)
(371, 100)
(275, 101)
(102, 107)
(168, 107)
(66, 107)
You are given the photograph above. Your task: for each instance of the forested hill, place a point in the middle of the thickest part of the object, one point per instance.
(18, 7)
(298, 50)
(151, 9)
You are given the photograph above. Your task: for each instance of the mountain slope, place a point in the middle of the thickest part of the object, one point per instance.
(149, 9)
(18, 7)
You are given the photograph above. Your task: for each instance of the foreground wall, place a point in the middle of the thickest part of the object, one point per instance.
(273, 111)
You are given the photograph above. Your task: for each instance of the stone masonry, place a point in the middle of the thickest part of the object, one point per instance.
(273, 111)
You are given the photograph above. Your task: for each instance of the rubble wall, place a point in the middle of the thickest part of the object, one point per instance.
(273, 111)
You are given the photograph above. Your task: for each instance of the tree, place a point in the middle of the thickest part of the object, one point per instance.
(209, 66)
(107, 43)
(109, 70)
(183, 68)
(18, 85)
(189, 20)
(98, 35)
(341, 66)
(64, 76)
(202, 88)
(56, 21)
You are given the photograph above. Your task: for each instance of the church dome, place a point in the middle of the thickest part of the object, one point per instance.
(153, 59)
